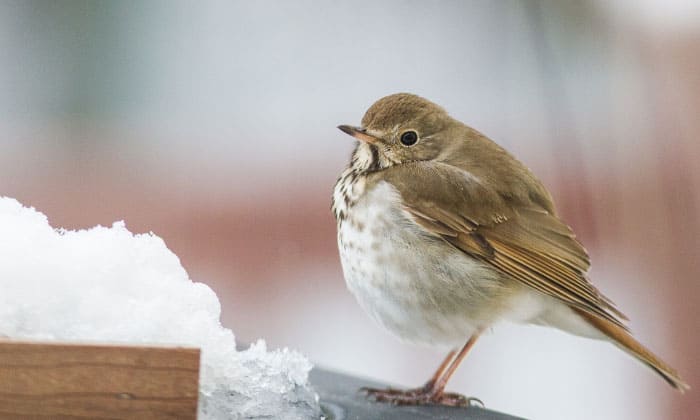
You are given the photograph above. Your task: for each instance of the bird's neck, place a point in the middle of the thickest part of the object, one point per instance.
(351, 183)
(366, 158)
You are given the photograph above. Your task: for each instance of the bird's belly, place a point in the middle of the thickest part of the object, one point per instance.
(416, 285)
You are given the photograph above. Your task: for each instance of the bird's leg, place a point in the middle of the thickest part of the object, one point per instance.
(428, 386)
(381, 394)
(433, 390)
(439, 396)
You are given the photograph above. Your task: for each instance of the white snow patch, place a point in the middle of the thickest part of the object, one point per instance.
(109, 285)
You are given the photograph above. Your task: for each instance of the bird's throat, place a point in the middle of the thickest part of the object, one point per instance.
(366, 158)
(348, 189)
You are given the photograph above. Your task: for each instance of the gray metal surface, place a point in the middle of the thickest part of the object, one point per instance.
(340, 400)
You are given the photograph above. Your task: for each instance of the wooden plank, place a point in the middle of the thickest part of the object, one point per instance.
(78, 381)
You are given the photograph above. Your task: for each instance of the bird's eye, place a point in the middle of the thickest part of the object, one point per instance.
(409, 138)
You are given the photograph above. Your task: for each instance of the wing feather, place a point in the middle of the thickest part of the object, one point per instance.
(517, 237)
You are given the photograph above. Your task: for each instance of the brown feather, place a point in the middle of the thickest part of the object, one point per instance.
(625, 341)
(520, 239)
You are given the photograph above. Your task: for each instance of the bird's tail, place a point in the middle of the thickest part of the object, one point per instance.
(625, 341)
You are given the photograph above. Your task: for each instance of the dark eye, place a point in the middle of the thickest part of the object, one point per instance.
(409, 138)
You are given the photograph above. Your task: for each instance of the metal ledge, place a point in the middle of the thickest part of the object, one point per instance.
(340, 400)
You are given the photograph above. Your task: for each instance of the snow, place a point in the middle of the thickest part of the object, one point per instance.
(109, 285)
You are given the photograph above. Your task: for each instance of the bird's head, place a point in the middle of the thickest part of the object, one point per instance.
(400, 128)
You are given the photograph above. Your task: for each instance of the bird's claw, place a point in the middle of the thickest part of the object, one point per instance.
(420, 396)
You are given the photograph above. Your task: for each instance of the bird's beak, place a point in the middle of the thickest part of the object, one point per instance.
(358, 133)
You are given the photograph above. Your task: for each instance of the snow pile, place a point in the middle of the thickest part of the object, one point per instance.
(108, 285)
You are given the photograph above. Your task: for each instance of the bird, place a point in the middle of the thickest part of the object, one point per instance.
(442, 233)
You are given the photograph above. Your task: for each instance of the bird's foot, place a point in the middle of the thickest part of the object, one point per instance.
(420, 396)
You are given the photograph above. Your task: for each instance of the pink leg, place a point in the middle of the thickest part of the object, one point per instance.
(433, 391)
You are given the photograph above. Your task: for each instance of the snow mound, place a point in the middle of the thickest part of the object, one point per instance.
(109, 285)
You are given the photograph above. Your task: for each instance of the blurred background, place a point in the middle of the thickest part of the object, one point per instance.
(212, 124)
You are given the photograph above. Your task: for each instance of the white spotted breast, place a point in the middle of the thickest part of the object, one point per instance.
(414, 284)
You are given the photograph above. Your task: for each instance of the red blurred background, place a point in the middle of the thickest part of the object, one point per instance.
(214, 127)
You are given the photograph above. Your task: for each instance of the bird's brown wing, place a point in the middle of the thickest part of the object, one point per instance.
(515, 236)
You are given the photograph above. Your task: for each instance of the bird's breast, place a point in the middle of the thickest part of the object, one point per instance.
(411, 282)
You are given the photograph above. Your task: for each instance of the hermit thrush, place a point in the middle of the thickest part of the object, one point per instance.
(442, 233)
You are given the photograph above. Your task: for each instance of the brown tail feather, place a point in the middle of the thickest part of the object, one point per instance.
(625, 341)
